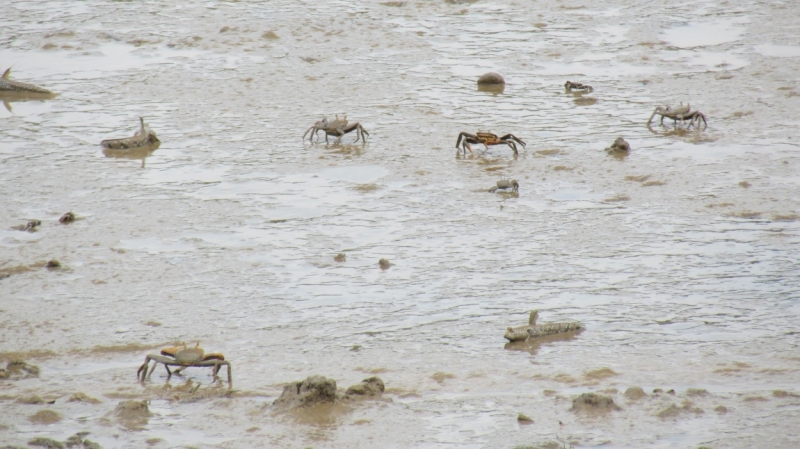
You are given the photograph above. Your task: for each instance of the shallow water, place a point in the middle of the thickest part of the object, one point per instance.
(680, 258)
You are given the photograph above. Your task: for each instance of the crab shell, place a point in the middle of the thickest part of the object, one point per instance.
(190, 355)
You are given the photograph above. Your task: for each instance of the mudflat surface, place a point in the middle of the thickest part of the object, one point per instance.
(680, 259)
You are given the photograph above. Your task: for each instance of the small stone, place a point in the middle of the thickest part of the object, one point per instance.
(658, 391)
(270, 35)
(225, 29)
(524, 419)
(341, 257)
(491, 78)
(721, 409)
(69, 217)
(384, 264)
(53, 264)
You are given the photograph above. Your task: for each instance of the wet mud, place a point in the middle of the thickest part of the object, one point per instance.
(679, 257)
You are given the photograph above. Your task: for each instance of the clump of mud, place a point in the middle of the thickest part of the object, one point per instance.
(46, 442)
(312, 391)
(634, 393)
(319, 390)
(45, 417)
(75, 441)
(82, 397)
(593, 402)
(368, 388)
(132, 414)
(18, 369)
(673, 411)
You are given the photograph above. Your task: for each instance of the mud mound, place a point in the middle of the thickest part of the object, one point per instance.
(593, 402)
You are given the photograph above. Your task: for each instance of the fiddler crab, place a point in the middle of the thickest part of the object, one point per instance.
(504, 184)
(184, 357)
(465, 139)
(569, 86)
(682, 113)
(337, 128)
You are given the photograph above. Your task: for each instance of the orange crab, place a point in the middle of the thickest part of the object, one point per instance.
(465, 139)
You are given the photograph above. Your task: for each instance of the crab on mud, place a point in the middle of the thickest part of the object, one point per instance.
(184, 357)
(682, 113)
(504, 184)
(465, 139)
(569, 86)
(337, 128)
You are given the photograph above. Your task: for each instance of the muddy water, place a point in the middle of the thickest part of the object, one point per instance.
(680, 258)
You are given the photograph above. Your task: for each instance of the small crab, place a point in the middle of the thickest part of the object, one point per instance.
(569, 86)
(337, 128)
(465, 139)
(184, 357)
(504, 184)
(681, 113)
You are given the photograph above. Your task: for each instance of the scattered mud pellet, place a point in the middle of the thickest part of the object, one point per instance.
(721, 409)
(671, 391)
(745, 184)
(642, 178)
(270, 35)
(674, 411)
(341, 257)
(549, 392)
(787, 217)
(356, 348)
(67, 218)
(384, 264)
(540, 24)
(82, 397)
(46, 442)
(524, 419)
(394, 4)
(658, 391)
(653, 183)
(634, 393)
(31, 400)
(441, 376)
(491, 78)
(53, 263)
(593, 402)
(224, 29)
(696, 392)
(617, 199)
(152, 323)
(45, 417)
(602, 373)
(755, 399)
